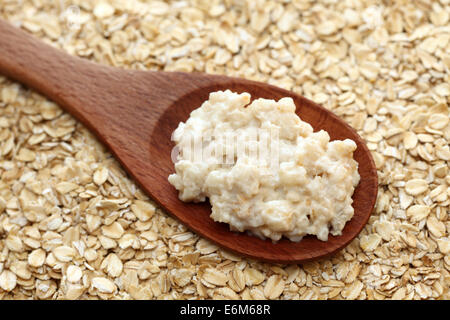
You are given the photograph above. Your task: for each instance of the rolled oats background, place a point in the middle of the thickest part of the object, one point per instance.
(74, 226)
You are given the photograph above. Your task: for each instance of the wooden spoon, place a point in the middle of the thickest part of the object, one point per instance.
(134, 114)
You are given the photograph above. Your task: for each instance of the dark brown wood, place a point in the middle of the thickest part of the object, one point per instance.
(134, 113)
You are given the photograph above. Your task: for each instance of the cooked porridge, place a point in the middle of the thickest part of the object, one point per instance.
(263, 169)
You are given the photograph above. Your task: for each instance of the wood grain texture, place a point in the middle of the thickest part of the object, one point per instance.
(134, 114)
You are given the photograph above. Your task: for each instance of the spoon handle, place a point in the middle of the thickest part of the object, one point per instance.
(36, 64)
(102, 97)
(98, 95)
(74, 83)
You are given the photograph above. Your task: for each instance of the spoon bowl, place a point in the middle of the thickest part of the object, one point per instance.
(196, 215)
(134, 114)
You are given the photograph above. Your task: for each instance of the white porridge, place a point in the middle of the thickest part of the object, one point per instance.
(296, 183)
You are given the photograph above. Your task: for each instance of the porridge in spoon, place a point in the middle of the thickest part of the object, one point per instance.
(263, 169)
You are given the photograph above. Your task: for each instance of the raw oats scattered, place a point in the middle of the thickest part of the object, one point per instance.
(8, 280)
(73, 225)
(415, 187)
(274, 287)
(36, 258)
(103, 285)
(74, 274)
(143, 210)
(64, 253)
(100, 176)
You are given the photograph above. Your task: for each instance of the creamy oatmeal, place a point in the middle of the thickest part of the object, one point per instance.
(263, 169)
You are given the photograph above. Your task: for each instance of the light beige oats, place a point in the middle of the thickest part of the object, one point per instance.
(253, 276)
(112, 265)
(103, 10)
(64, 253)
(370, 242)
(418, 212)
(67, 206)
(143, 210)
(415, 187)
(215, 277)
(114, 230)
(103, 285)
(36, 258)
(274, 287)
(8, 280)
(100, 175)
(65, 187)
(74, 273)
